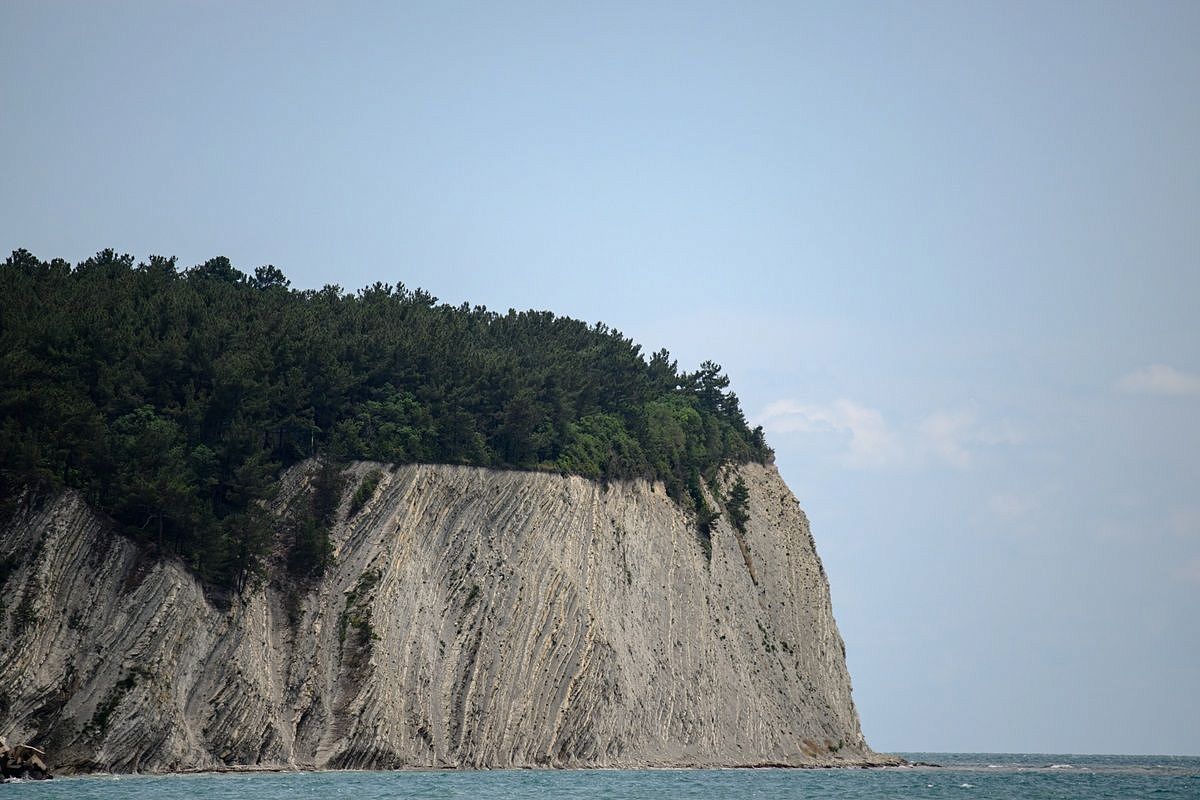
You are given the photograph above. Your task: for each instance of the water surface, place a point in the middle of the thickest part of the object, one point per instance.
(974, 776)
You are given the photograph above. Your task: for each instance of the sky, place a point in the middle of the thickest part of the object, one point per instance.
(949, 254)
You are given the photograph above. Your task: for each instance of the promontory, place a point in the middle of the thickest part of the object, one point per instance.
(248, 526)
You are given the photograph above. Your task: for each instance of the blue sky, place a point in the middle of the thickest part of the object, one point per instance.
(949, 254)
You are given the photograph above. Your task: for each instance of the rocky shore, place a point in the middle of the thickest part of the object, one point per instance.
(22, 763)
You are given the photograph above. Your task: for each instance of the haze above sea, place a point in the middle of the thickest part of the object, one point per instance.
(961, 775)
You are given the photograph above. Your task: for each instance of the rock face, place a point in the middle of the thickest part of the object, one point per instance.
(471, 618)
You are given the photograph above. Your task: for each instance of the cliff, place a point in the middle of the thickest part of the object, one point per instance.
(470, 618)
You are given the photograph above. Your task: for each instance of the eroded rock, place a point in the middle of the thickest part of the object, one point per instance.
(471, 618)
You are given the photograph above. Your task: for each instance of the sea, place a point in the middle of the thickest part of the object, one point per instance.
(967, 776)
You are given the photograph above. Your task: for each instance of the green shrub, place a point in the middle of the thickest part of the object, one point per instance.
(706, 516)
(364, 492)
(738, 505)
(311, 551)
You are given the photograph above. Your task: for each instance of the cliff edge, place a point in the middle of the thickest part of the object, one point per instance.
(469, 618)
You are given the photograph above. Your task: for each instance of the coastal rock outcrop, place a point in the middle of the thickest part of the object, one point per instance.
(22, 763)
(469, 618)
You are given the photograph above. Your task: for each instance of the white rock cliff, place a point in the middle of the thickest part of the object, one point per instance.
(470, 618)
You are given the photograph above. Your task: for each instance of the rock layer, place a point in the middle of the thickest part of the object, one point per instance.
(470, 618)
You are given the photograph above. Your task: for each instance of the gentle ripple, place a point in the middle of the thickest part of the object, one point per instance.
(974, 776)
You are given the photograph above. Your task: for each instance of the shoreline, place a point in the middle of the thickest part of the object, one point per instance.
(892, 762)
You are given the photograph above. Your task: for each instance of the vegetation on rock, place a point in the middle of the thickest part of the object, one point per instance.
(366, 488)
(738, 504)
(172, 399)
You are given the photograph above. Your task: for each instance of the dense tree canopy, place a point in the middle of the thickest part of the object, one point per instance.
(172, 399)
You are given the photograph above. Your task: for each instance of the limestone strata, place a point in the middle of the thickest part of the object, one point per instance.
(471, 618)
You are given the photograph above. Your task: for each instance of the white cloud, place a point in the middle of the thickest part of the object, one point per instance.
(945, 437)
(1011, 505)
(1160, 379)
(952, 437)
(871, 442)
(1184, 523)
(1190, 571)
(1118, 531)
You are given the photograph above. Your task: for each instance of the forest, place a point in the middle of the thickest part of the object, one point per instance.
(171, 399)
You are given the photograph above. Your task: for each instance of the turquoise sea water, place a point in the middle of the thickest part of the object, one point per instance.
(963, 775)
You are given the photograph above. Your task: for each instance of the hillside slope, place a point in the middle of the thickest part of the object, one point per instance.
(470, 617)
